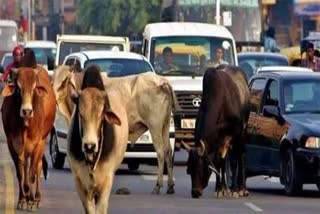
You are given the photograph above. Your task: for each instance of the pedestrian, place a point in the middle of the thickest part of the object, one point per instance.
(17, 54)
(270, 44)
(310, 60)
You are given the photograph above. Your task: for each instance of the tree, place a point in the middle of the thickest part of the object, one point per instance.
(116, 17)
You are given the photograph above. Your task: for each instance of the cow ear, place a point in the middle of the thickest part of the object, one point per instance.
(8, 90)
(112, 118)
(41, 91)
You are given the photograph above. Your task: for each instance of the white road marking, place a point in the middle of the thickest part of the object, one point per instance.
(253, 207)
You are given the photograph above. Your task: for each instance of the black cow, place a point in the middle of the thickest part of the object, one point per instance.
(220, 131)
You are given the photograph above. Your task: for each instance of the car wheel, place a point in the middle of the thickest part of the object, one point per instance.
(57, 158)
(133, 166)
(292, 180)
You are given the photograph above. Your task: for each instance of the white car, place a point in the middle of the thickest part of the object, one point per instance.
(282, 69)
(117, 64)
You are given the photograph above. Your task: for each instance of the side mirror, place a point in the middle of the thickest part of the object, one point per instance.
(50, 62)
(273, 111)
(1, 69)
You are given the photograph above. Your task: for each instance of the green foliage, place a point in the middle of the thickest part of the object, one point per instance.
(116, 17)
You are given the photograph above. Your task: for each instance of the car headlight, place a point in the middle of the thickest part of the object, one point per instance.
(313, 142)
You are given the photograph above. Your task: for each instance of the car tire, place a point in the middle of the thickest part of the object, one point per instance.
(57, 158)
(291, 173)
(133, 166)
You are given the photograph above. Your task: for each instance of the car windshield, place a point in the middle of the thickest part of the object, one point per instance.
(67, 48)
(42, 54)
(189, 55)
(250, 64)
(302, 96)
(121, 67)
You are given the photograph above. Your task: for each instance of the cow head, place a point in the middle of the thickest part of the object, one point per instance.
(25, 83)
(198, 169)
(94, 110)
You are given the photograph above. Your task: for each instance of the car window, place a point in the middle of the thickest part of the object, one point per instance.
(256, 92)
(302, 96)
(77, 65)
(250, 64)
(69, 62)
(272, 93)
(121, 67)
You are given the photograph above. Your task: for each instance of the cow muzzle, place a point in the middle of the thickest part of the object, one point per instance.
(26, 111)
(196, 193)
(90, 150)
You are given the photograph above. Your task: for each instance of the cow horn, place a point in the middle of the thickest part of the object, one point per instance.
(202, 148)
(186, 146)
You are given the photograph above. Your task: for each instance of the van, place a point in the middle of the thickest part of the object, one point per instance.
(194, 47)
(67, 44)
(8, 36)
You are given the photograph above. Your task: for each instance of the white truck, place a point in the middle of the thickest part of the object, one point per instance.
(68, 44)
(194, 47)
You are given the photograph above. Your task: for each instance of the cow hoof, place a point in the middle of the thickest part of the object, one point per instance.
(21, 203)
(156, 191)
(123, 191)
(244, 193)
(235, 195)
(219, 194)
(38, 204)
(170, 191)
(31, 206)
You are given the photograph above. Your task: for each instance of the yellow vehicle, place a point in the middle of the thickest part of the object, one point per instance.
(183, 53)
(293, 54)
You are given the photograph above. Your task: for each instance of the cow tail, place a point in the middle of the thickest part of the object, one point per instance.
(167, 88)
(45, 167)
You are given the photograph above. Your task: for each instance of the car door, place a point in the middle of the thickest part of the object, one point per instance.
(266, 129)
(253, 156)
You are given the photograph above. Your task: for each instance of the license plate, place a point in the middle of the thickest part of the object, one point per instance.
(188, 123)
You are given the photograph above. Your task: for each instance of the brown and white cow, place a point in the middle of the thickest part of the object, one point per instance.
(28, 113)
(148, 99)
(97, 141)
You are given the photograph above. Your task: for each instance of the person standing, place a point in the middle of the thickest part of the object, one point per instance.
(311, 61)
(270, 44)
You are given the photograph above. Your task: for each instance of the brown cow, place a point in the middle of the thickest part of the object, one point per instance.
(148, 99)
(28, 113)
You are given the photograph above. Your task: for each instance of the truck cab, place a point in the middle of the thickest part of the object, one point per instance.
(193, 47)
(68, 44)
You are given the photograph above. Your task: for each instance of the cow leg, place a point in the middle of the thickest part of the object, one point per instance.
(88, 205)
(168, 158)
(235, 172)
(21, 178)
(35, 173)
(103, 201)
(242, 177)
(27, 188)
(157, 140)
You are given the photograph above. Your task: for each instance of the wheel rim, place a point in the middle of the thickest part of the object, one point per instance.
(54, 148)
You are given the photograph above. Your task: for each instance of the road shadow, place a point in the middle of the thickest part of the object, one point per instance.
(134, 172)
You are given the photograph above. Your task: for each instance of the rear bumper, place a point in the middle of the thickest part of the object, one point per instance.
(309, 162)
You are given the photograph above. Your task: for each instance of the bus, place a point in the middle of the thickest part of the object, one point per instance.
(8, 36)
(246, 16)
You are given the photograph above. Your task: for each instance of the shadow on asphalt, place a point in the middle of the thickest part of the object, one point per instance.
(281, 192)
(133, 172)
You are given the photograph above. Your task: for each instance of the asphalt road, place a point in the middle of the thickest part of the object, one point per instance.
(59, 196)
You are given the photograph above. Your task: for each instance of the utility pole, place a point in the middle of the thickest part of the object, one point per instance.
(218, 12)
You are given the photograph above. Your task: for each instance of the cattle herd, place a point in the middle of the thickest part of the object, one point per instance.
(105, 113)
